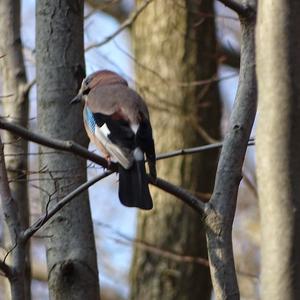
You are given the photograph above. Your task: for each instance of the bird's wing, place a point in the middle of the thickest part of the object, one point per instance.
(97, 127)
(122, 117)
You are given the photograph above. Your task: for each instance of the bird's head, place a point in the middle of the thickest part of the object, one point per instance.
(96, 79)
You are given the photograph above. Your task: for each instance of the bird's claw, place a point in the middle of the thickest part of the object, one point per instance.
(108, 159)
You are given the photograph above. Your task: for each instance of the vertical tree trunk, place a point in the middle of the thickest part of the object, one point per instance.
(278, 146)
(15, 107)
(175, 47)
(71, 253)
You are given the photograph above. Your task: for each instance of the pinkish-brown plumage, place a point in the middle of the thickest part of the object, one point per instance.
(117, 121)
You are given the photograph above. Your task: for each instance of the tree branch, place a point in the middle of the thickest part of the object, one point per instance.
(5, 269)
(29, 86)
(72, 147)
(194, 150)
(243, 10)
(127, 23)
(182, 194)
(221, 208)
(29, 232)
(68, 146)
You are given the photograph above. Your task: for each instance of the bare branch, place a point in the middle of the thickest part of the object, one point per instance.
(71, 147)
(123, 26)
(6, 270)
(182, 194)
(195, 150)
(29, 86)
(49, 214)
(68, 146)
(243, 10)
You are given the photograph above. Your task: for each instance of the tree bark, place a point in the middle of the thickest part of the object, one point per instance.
(15, 108)
(278, 147)
(71, 254)
(173, 51)
(15, 272)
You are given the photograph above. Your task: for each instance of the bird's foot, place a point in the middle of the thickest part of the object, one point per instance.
(108, 159)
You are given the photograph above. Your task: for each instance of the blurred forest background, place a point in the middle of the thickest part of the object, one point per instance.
(182, 63)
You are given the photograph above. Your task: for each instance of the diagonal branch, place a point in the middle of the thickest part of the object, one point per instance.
(182, 194)
(6, 270)
(49, 214)
(72, 147)
(68, 146)
(243, 10)
(127, 23)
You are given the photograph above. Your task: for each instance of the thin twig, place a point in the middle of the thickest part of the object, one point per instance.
(49, 214)
(28, 86)
(127, 23)
(6, 96)
(195, 150)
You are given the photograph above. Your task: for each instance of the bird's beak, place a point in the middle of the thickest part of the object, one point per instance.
(76, 99)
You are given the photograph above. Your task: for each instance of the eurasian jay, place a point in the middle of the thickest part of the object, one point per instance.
(116, 120)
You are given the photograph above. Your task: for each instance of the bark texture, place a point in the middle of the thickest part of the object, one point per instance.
(175, 48)
(15, 108)
(16, 270)
(71, 254)
(278, 147)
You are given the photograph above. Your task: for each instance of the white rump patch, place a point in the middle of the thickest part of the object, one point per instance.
(134, 127)
(138, 154)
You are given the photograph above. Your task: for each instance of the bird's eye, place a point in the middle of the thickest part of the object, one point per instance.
(86, 90)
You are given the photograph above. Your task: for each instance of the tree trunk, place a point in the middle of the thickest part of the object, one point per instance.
(15, 108)
(278, 146)
(71, 254)
(174, 48)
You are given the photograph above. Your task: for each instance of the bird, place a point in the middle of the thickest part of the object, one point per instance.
(117, 121)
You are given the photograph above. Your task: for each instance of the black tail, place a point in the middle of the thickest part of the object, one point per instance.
(133, 186)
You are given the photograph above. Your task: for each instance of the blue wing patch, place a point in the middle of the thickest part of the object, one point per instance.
(89, 119)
